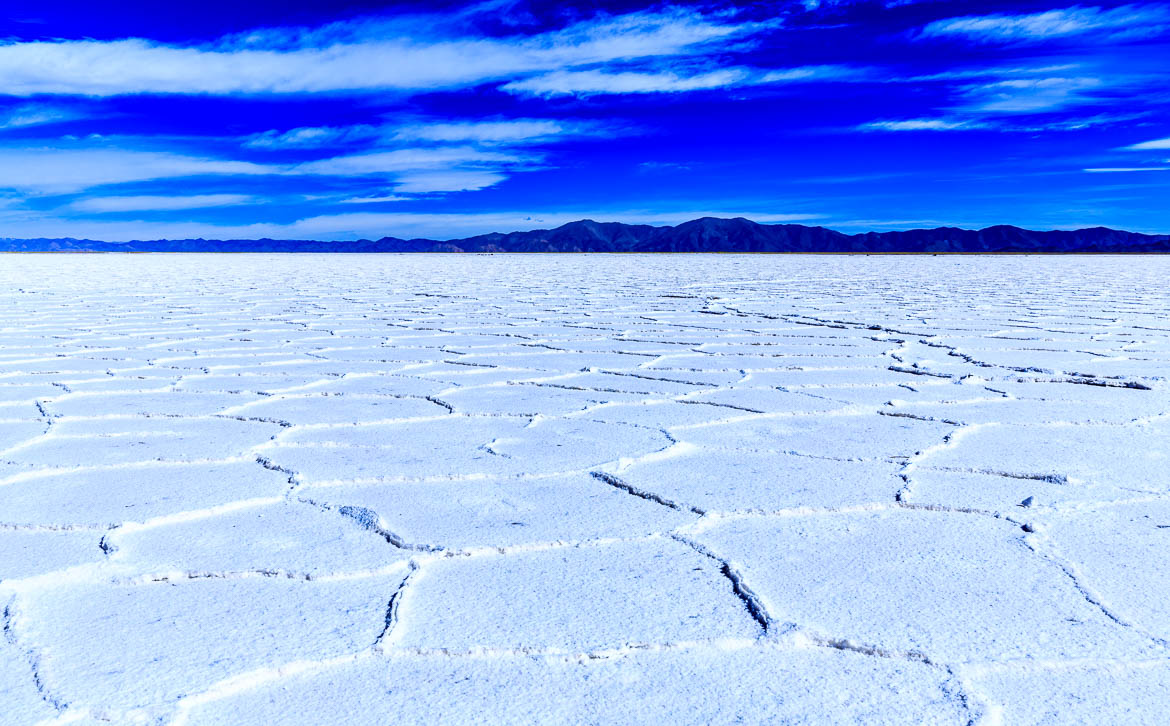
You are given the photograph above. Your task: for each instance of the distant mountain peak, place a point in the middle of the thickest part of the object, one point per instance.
(706, 234)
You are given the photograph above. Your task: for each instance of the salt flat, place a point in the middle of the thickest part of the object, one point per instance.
(241, 489)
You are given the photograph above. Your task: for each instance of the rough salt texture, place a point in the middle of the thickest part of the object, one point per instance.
(584, 489)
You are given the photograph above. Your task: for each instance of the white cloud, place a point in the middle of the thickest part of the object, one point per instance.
(307, 137)
(1077, 123)
(1120, 169)
(1156, 144)
(346, 58)
(992, 72)
(590, 82)
(441, 168)
(483, 132)
(921, 124)
(1031, 95)
(814, 73)
(373, 200)
(423, 171)
(992, 123)
(58, 170)
(55, 170)
(405, 160)
(158, 203)
(36, 114)
(487, 132)
(455, 180)
(1127, 20)
(583, 83)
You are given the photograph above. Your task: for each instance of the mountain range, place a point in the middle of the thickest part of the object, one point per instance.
(709, 234)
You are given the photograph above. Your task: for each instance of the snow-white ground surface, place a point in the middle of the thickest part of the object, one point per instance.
(584, 489)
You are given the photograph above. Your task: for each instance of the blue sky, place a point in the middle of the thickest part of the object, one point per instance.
(345, 120)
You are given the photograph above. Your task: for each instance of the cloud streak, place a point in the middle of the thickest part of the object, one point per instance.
(1032, 95)
(56, 170)
(63, 170)
(158, 203)
(37, 114)
(599, 82)
(585, 83)
(488, 132)
(348, 59)
(1127, 21)
(1125, 169)
(1156, 144)
(921, 124)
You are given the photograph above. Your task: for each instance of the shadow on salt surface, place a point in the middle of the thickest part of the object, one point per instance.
(1005, 494)
(15, 433)
(651, 591)
(317, 408)
(954, 587)
(1118, 553)
(1077, 693)
(129, 439)
(501, 512)
(26, 410)
(457, 446)
(443, 446)
(765, 400)
(661, 413)
(162, 403)
(274, 536)
(21, 700)
(519, 399)
(1035, 402)
(576, 444)
(724, 481)
(145, 646)
(842, 436)
(28, 553)
(106, 496)
(381, 385)
(1134, 457)
(703, 685)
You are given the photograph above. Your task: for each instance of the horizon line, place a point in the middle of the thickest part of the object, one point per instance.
(594, 221)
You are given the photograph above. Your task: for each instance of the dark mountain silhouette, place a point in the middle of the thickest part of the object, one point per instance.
(708, 234)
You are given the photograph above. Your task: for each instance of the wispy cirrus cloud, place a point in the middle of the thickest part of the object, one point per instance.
(499, 131)
(47, 170)
(922, 124)
(351, 57)
(993, 72)
(312, 137)
(599, 82)
(37, 114)
(1127, 21)
(994, 123)
(1035, 96)
(1125, 169)
(382, 199)
(489, 132)
(1032, 95)
(446, 156)
(426, 170)
(63, 170)
(447, 180)
(583, 83)
(1155, 144)
(159, 203)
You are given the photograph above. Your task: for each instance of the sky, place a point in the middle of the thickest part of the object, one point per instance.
(353, 119)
